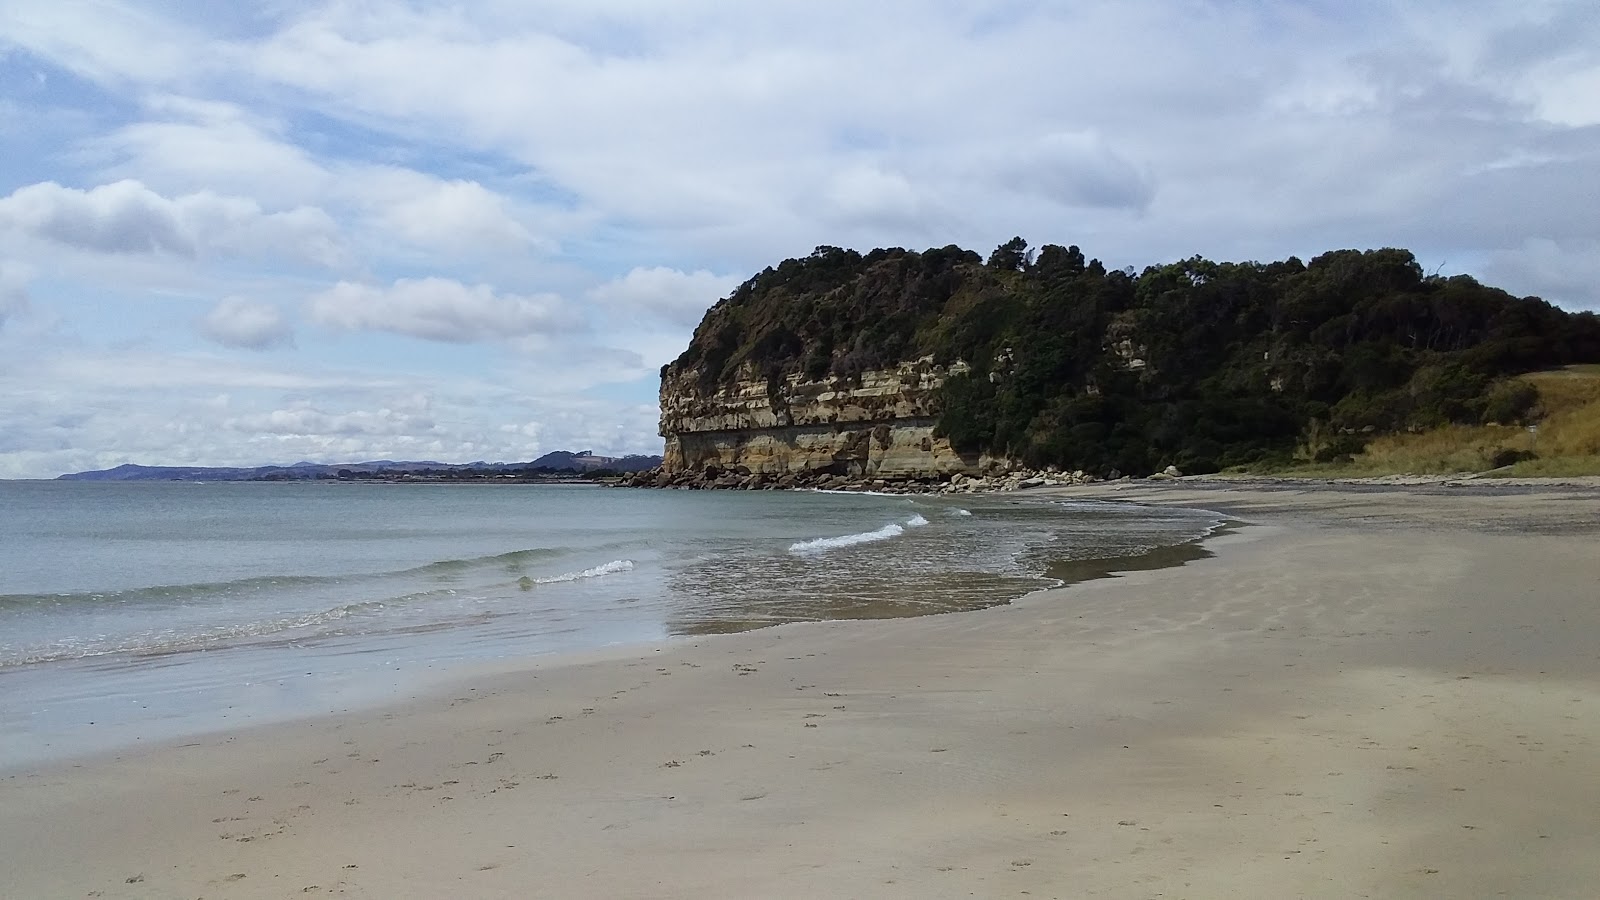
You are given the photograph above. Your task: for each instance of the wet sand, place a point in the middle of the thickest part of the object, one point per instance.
(1379, 692)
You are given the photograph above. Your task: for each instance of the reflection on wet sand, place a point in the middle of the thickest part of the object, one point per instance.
(697, 611)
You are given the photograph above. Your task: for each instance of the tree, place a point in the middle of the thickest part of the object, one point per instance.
(1012, 256)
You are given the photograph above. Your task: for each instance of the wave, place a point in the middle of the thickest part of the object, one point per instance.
(311, 624)
(610, 568)
(960, 513)
(514, 562)
(850, 493)
(168, 642)
(824, 544)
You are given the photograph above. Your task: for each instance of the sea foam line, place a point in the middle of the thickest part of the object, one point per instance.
(822, 545)
(610, 568)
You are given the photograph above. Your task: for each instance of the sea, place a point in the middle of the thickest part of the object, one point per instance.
(143, 612)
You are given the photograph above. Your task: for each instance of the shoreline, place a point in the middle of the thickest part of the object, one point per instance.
(73, 709)
(1291, 716)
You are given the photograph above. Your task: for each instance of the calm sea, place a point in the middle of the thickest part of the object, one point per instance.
(137, 612)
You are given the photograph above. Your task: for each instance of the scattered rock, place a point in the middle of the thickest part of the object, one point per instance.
(996, 477)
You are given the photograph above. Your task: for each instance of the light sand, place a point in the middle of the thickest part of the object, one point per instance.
(1380, 694)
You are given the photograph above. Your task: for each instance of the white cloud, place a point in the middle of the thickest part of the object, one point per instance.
(440, 309)
(245, 324)
(104, 41)
(124, 217)
(79, 370)
(127, 217)
(868, 195)
(430, 212)
(305, 419)
(14, 278)
(1572, 98)
(88, 409)
(186, 145)
(664, 293)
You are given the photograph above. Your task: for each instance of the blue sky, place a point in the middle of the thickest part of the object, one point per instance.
(350, 230)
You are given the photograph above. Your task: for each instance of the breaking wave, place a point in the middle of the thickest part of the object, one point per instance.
(823, 545)
(610, 568)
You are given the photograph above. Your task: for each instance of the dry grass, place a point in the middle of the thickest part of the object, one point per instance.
(1568, 441)
(1454, 448)
(1571, 402)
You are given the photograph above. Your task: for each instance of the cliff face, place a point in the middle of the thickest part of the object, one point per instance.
(878, 426)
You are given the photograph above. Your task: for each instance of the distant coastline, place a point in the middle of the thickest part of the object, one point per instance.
(560, 466)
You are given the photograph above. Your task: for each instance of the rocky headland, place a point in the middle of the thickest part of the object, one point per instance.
(937, 371)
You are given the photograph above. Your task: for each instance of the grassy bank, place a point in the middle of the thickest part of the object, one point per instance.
(1566, 443)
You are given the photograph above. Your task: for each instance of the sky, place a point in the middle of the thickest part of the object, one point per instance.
(250, 233)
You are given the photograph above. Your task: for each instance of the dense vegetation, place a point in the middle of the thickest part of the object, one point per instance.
(1198, 364)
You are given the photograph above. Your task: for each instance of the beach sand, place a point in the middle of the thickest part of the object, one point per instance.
(1364, 693)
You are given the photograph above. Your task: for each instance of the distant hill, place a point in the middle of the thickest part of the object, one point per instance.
(587, 461)
(552, 464)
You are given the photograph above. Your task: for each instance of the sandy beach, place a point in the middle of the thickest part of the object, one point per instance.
(1364, 692)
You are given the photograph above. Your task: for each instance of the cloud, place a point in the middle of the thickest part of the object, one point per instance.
(186, 145)
(869, 195)
(306, 420)
(664, 293)
(111, 42)
(127, 217)
(440, 309)
(124, 217)
(244, 324)
(430, 212)
(14, 278)
(71, 410)
(1565, 272)
(1076, 170)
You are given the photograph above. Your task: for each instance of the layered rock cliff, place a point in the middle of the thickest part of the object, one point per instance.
(879, 424)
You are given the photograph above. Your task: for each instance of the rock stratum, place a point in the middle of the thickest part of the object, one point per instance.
(882, 424)
(910, 369)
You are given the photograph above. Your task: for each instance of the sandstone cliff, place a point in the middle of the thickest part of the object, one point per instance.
(879, 425)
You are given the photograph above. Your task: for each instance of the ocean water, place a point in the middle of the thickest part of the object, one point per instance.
(136, 612)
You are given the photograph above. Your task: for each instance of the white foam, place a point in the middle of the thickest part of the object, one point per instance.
(610, 568)
(960, 512)
(822, 545)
